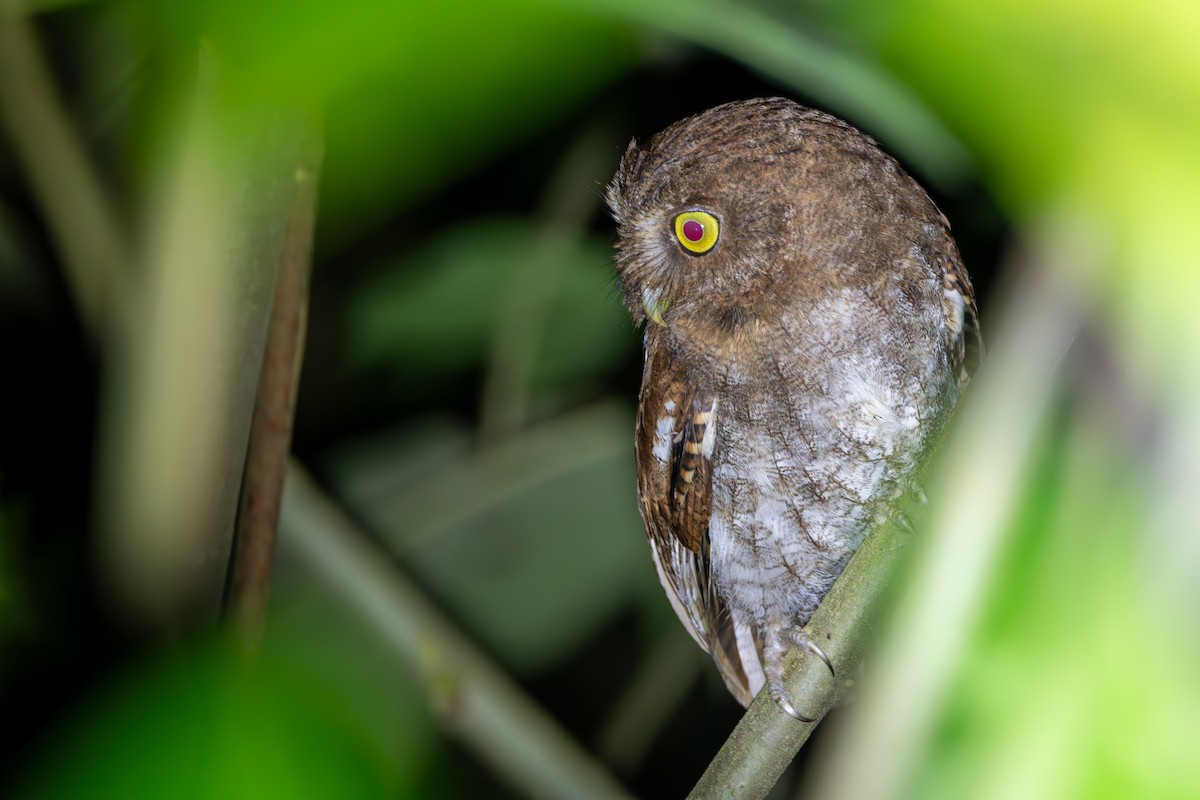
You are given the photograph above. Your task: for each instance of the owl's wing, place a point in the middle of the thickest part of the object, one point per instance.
(958, 298)
(675, 440)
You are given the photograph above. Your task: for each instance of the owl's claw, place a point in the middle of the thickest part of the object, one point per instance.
(789, 709)
(773, 651)
(802, 639)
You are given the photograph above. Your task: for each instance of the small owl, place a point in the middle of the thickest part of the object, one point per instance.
(807, 322)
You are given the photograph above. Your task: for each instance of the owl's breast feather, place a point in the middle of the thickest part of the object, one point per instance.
(802, 467)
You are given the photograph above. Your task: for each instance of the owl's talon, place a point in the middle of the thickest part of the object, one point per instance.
(789, 709)
(802, 639)
(773, 651)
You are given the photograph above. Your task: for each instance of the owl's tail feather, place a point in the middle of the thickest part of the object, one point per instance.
(737, 651)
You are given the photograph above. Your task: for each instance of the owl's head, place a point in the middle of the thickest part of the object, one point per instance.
(727, 216)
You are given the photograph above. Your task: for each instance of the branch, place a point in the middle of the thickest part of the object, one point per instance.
(894, 719)
(472, 697)
(179, 396)
(766, 740)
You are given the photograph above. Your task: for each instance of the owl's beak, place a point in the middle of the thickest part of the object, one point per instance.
(655, 305)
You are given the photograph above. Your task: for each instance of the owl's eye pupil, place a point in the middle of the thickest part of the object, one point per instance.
(696, 231)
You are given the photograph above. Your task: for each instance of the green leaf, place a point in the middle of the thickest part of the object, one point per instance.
(210, 723)
(417, 92)
(437, 310)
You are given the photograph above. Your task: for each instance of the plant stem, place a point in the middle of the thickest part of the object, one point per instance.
(474, 699)
(766, 739)
(274, 409)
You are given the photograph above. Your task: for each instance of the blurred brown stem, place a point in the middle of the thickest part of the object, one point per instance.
(274, 408)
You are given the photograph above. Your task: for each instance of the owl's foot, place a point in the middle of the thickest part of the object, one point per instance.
(774, 648)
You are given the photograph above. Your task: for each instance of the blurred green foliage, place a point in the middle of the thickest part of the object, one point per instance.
(211, 723)
(1074, 684)
(437, 310)
(530, 556)
(417, 93)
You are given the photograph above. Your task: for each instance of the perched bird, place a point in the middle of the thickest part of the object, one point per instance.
(807, 324)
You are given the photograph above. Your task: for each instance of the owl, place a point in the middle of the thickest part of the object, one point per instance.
(807, 328)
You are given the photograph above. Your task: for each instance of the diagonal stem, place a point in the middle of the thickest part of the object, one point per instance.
(766, 740)
(85, 231)
(473, 697)
(274, 409)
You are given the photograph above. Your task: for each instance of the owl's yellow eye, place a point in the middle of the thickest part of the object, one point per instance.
(696, 231)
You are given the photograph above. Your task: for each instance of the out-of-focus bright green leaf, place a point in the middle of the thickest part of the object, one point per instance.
(1076, 685)
(319, 639)
(791, 46)
(212, 724)
(417, 92)
(1086, 110)
(438, 309)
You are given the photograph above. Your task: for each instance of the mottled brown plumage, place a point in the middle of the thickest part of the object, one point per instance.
(795, 373)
